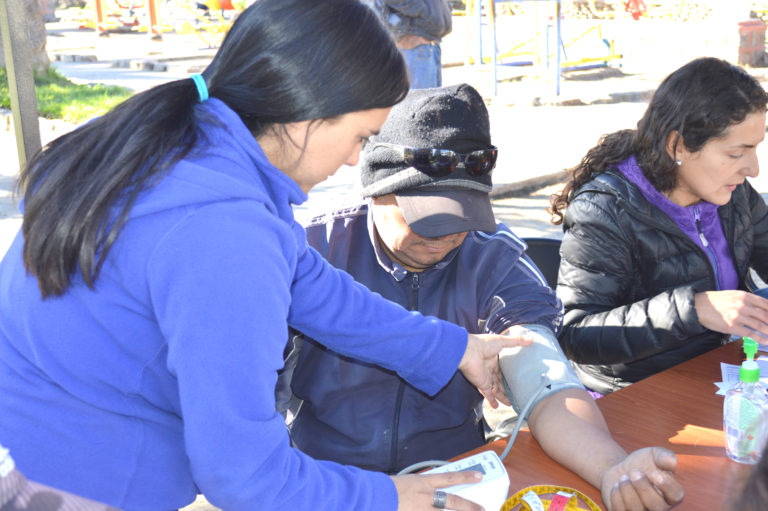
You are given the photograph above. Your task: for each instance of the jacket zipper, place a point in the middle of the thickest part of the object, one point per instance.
(710, 253)
(731, 228)
(415, 283)
(413, 306)
(676, 232)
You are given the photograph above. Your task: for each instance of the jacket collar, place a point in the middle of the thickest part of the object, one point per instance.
(393, 267)
(682, 215)
(629, 197)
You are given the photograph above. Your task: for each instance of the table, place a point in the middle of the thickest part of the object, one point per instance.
(677, 409)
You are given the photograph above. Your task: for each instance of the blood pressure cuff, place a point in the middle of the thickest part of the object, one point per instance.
(523, 367)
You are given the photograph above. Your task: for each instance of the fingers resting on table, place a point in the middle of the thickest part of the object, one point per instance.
(643, 480)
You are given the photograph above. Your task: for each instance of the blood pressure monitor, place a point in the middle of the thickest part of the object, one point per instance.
(491, 492)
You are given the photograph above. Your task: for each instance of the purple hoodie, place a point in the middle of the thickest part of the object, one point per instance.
(708, 234)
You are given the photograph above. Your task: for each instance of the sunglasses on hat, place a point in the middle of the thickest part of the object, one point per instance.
(441, 162)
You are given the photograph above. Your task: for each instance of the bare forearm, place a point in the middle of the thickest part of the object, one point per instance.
(571, 430)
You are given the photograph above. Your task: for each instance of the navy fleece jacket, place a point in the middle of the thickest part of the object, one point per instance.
(159, 383)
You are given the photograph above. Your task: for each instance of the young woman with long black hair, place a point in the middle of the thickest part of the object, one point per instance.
(145, 304)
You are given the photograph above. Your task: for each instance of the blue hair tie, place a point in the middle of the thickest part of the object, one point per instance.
(202, 89)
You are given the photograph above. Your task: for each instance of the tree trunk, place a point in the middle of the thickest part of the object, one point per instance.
(36, 30)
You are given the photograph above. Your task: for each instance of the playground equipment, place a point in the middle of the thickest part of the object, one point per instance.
(611, 8)
(206, 18)
(760, 8)
(545, 49)
(120, 15)
(212, 24)
(678, 10)
(593, 34)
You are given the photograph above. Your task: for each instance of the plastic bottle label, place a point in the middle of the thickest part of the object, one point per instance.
(743, 427)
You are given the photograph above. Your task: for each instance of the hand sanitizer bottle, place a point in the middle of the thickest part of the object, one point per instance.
(745, 411)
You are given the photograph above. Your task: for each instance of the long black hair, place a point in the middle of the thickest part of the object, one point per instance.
(699, 101)
(282, 61)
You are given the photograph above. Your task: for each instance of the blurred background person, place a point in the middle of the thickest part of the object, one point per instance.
(418, 27)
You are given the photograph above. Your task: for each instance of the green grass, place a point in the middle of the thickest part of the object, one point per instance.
(59, 98)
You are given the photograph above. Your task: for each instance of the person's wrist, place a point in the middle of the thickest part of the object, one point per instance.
(613, 469)
(468, 353)
(608, 481)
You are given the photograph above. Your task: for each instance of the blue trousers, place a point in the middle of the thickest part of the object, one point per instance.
(425, 68)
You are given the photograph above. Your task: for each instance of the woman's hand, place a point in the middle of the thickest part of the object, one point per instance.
(480, 364)
(643, 480)
(734, 312)
(417, 492)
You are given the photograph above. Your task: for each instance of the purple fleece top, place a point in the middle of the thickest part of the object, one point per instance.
(716, 246)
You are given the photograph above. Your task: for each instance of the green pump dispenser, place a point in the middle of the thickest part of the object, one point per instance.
(749, 371)
(745, 411)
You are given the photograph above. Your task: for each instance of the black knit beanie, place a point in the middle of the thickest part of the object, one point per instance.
(452, 118)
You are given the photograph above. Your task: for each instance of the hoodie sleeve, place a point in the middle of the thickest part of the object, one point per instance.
(515, 291)
(334, 309)
(220, 283)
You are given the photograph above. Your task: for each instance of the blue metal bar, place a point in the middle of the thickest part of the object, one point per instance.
(492, 5)
(479, 7)
(559, 42)
(558, 69)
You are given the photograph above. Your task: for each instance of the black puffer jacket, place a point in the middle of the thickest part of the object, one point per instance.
(628, 276)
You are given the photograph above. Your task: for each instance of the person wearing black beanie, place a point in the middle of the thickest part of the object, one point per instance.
(445, 197)
(425, 237)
